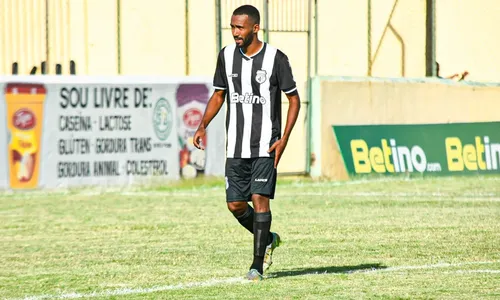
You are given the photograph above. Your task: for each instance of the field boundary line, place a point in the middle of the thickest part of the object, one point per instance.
(220, 193)
(240, 280)
(476, 271)
(434, 266)
(133, 291)
(101, 190)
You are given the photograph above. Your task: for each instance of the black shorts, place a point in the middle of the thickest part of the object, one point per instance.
(247, 176)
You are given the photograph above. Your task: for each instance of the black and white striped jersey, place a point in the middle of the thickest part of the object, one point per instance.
(253, 87)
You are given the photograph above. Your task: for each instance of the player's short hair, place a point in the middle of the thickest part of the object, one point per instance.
(250, 11)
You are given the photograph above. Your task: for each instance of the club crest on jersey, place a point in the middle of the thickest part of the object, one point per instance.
(261, 76)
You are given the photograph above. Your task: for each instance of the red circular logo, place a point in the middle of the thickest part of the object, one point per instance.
(24, 119)
(192, 118)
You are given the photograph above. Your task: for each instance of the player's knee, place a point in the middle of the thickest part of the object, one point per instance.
(237, 208)
(260, 202)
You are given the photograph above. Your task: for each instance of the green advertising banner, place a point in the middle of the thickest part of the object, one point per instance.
(428, 148)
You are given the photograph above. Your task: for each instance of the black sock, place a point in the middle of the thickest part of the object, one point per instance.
(246, 219)
(262, 225)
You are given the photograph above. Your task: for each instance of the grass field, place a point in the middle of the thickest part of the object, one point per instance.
(434, 238)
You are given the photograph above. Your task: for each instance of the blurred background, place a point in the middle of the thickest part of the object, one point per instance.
(389, 38)
(454, 39)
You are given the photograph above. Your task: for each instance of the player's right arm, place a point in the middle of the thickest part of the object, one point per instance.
(213, 107)
(215, 102)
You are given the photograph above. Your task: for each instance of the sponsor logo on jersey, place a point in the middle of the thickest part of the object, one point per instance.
(247, 98)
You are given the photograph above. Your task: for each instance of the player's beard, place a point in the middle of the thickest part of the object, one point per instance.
(246, 41)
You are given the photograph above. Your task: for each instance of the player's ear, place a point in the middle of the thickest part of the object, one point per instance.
(256, 28)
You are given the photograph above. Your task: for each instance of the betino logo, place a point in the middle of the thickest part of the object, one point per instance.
(248, 98)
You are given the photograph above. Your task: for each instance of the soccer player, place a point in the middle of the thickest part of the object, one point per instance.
(251, 75)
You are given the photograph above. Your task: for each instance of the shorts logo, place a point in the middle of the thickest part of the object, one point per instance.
(227, 183)
(261, 76)
(162, 119)
(261, 179)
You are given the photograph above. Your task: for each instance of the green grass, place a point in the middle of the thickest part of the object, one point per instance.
(348, 240)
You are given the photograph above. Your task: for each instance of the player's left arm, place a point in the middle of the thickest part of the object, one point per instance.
(291, 118)
(287, 84)
(292, 114)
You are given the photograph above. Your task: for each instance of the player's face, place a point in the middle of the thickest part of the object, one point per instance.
(243, 30)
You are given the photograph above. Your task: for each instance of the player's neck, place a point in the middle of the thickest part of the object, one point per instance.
(253, 48)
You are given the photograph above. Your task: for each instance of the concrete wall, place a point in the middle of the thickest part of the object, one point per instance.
(363, 101)
(147, 40)
(355, 38)
(371, 38)
(467, 38)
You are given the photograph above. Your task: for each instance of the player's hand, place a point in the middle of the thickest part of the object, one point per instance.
(198, 137)
(278, 146)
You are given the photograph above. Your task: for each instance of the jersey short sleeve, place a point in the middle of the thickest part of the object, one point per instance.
(220, 78)
(285, 76)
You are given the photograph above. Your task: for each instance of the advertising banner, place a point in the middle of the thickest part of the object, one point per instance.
(25, 112)
(216, 144)
(110, 133)
(3, 140)
(62, 131)
(73, 134)
(444, 149)
(192, 99)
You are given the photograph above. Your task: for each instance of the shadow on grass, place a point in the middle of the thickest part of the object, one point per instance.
(328, 270)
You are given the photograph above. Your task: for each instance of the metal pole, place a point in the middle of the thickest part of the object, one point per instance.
(369, 38)
(118, 36)
(186, 36)
(315, 37)
(309, 84)
(430, 38)
(86, 35)
(218, 28)
(266, 21)
(47, 40)
(309, 39)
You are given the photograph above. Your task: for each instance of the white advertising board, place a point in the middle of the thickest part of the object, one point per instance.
(216, 144)
(109, 134)
(103, 131)
(3, 140)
